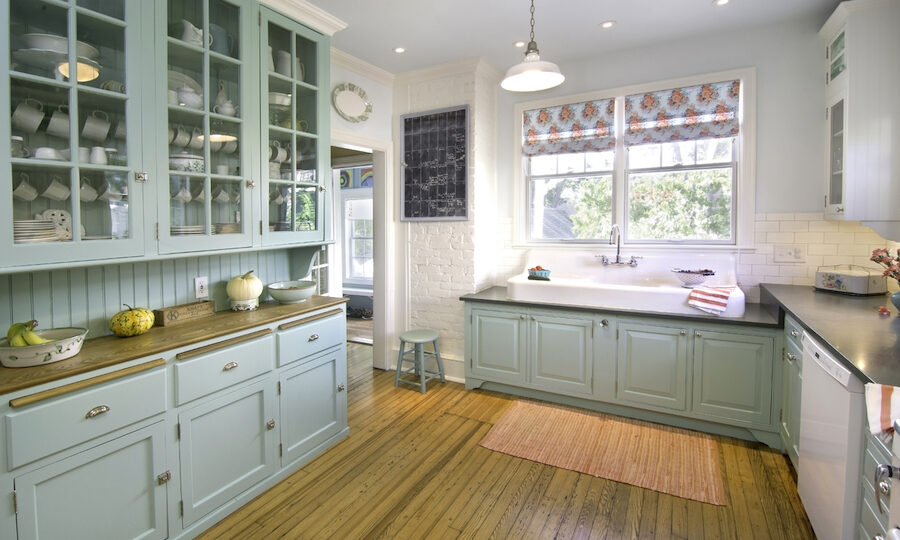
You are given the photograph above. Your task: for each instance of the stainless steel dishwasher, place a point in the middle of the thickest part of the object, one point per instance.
(831, 412)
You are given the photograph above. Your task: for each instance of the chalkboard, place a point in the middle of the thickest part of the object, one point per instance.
(435, 165)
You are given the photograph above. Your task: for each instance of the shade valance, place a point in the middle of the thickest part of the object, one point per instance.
(575, 127)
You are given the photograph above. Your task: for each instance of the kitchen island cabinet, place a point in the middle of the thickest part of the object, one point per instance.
(177, 430)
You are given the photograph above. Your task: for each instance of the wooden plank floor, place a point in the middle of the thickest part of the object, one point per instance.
(412, 468)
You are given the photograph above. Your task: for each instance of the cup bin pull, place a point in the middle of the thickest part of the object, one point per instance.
(882, 486)
(96, 411)
(229, 366)
(313, 337)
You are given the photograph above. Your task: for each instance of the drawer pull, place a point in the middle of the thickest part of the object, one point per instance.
(341, 387)
(313, 337)
(270, 424)
(229, 366)
(795, 333)
(791, 357)
(97, 411)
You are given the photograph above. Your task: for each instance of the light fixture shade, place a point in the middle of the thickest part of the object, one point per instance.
(532, 75)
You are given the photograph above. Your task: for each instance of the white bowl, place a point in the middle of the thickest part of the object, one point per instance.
(66, 343)
(186, 162)
(292, 292)
(60, 44)
(277, 98)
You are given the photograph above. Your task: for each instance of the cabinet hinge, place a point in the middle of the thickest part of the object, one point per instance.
(826, 52)
(781, 415)
(259, 23)
(280, 448)
(15, 502)
(260, 227)
(826, 113)
(164, 477)
(279, 388)
(157, 230)
(178, 431)
(470, 318)
(180, 508)
(826, 200)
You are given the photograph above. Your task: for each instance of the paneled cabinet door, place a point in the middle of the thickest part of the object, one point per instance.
(74, 91)
(295, 113)
(109, 491)
(313, 404)
(561, 353)
(207, 131)
(733, 377)
(791, 381)
(498, 345)
(227, 446)
(653, 365)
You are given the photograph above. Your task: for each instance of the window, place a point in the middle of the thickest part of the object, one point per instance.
(358, 227)
(318, 271)
(668, 165)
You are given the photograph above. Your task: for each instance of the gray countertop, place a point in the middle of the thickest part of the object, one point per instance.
(755, 314)
(849, 326)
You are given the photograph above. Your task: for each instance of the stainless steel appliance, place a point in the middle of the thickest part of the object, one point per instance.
(830, 450)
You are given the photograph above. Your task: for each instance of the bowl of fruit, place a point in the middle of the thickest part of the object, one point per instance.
(25, 346)
(539, 273)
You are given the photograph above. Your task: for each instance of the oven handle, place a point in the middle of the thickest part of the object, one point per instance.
(881, 485)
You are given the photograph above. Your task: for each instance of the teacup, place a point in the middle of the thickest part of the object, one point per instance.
(120, 130)
(109, 193)
(183, 195)
(222, 169)
(274, 169)
(58, 126)
(96, 126)
(28, 115)
(56, 191)
(24, 190)
(182, 136)
(84, 154)
(45, 152)
(98, 155)
(197, 138)
(283, 63)
(87, 193)
(221, 195)
(199, 195)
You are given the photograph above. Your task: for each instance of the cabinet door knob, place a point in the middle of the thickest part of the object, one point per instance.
(97, 411)
(313, 338)
(522, 317)
(341, 387)
(141, 177)
(697, 334)
(229, 366)
(795, 333)
(251, 184)
(270, 424)
(604, 323)
(683, 332)
(791, 357)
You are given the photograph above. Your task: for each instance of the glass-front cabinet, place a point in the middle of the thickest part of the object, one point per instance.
(834, 194)
(73, 186)
(207, 82)
(294, 113)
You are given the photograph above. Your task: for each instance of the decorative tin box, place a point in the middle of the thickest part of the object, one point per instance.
(850, 279)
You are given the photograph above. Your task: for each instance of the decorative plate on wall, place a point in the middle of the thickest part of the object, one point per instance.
(351, 102)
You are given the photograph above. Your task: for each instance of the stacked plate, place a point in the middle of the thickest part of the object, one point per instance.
(185, 230)
(226, 228)
(29, 231)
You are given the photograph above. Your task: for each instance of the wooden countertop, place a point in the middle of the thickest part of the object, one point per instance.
(107, 351)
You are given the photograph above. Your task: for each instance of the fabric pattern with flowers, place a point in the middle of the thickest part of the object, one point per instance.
(680, 114)
(575, 127)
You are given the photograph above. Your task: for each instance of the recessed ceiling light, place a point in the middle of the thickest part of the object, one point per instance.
(519, 44)
(399, 50)
(720, 2)
(607, 24)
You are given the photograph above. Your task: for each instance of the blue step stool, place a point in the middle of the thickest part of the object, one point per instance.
(418, 356)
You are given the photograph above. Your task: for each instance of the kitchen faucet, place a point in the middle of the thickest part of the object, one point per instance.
(615, 237)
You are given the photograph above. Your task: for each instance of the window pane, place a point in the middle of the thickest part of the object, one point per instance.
(644, 156)
(682, 205)
(571, 163)
(715, 150)
(571, 208)
(361, 267)
(362, 248)
(542, 165)
(361, 228)
(678, 153)
(599, 161)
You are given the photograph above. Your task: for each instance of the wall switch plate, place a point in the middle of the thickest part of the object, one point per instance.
(789, 253)
(201, 287)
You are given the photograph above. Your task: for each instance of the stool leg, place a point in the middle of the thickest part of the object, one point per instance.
(420, 364)
(399, 364)
(440, 364)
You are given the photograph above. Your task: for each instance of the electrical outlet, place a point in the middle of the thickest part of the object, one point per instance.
(201, 287)
(789, 253)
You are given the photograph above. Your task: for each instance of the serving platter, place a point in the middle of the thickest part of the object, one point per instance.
(178, 79)
(351, 102)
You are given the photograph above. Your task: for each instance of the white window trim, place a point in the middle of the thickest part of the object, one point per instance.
(745, 197)
(346, 195)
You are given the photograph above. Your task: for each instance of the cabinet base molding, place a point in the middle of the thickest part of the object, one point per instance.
(770, 439)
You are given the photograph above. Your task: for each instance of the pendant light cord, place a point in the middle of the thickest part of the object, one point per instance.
(532, 20)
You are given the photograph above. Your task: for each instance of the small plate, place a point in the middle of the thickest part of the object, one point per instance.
(351, 102)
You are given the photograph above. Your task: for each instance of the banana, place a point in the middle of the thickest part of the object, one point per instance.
(15, 330)
(22, 334)
(33, 339)
(18, 340)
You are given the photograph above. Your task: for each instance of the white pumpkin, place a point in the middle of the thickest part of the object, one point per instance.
(245, 287)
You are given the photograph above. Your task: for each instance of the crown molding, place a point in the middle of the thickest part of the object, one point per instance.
(308, 14)
(361, 67)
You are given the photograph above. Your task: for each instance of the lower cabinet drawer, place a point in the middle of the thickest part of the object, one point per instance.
(222, 366)
(57, 424)
(309, 338)
(871, 520)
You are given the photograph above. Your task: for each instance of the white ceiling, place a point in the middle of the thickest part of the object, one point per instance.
(434, 32)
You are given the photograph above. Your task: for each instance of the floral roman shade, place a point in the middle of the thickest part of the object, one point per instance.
(681, 114)
(576, 127)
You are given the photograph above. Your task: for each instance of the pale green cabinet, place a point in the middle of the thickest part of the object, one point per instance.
(561, 353)
(227, 445)
(653, 365)
(791, 383)
(732, 377)
(313, 403)
(497, 345)
(112, 490)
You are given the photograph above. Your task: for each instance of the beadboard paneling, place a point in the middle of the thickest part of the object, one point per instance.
(89, 296)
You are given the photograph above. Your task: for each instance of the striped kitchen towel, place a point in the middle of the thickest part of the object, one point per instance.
(882, 406)
(710, 299)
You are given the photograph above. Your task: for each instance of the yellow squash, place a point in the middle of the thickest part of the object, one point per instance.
(131, 322)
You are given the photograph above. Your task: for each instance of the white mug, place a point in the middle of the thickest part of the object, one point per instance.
(84, 154)
(199, 195)
(120, 130)
(182, 136)
(109, 194)
(98, 155)
(274, 169)
(28, 115)
(271, 60)
(96, 126)
(196, 141)
(283, 63)
(24, 190)
(56, 191)
(221, 195)
(183, 195)
(191, 33)
(222, 169)
(87, 193)
(59, 123)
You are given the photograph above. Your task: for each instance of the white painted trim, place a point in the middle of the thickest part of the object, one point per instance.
(308, 14)
(387, 314)
(466, 67)
(745, 198)
(360, 67)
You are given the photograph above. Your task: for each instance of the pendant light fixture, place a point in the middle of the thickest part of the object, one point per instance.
(532, 74)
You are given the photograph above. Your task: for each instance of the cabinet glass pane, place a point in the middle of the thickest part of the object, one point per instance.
(836, 156)
(837, 46)
(838, 66)
(39, 38)
(104, 205)
(42, 204)
(225, 197)
(187, 205)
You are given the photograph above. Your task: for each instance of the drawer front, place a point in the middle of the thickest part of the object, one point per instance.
(310, 338)
(873, 456)
(796, 353)
(793, 332)
(61, 423)
(872, 521)
(207, 373)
